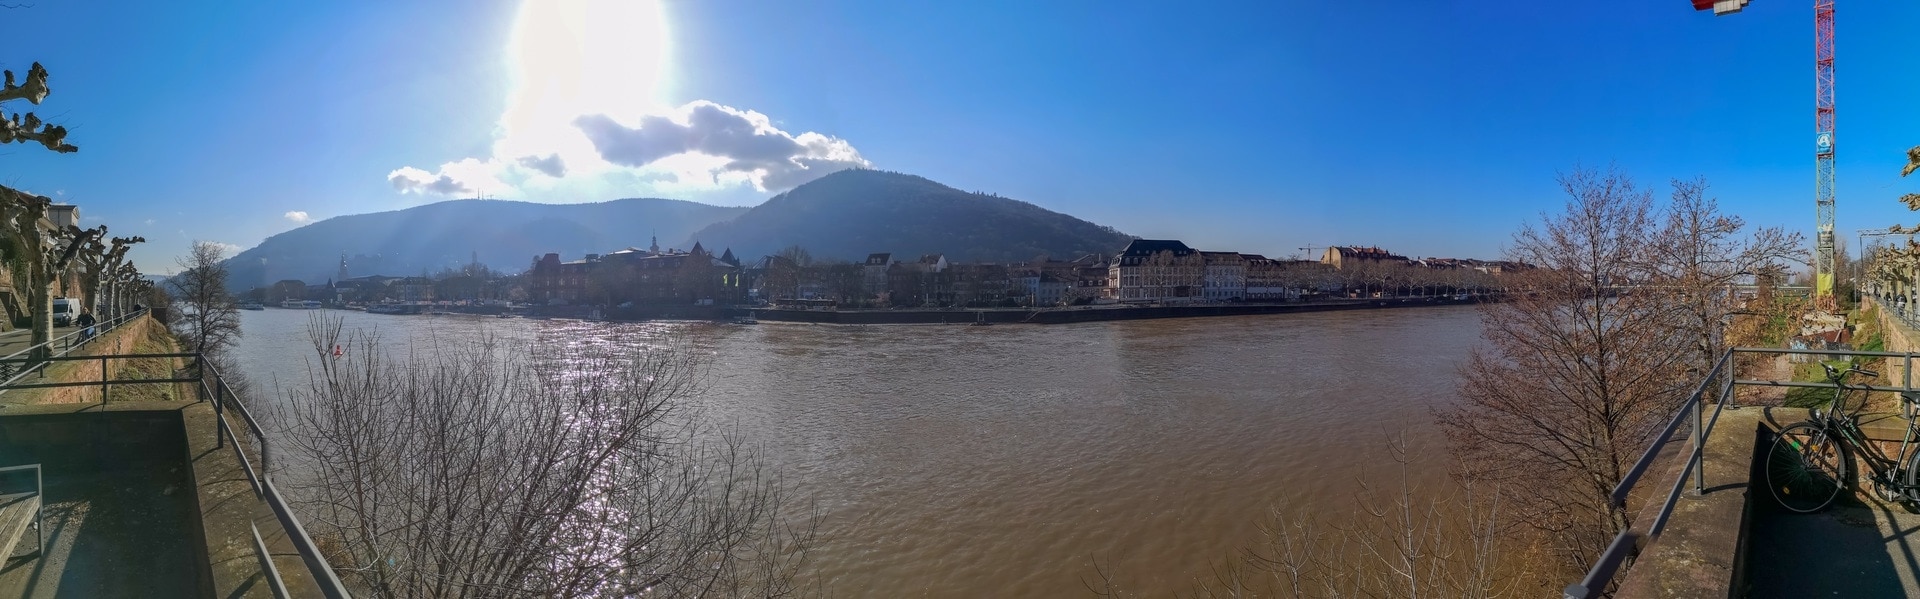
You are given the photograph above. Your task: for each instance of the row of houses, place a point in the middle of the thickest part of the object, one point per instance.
(1166, 270)
(1146, 271)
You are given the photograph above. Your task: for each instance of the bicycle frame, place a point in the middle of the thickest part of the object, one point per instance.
(1886, 471)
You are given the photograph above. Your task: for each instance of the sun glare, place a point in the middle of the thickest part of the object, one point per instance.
(577, 57)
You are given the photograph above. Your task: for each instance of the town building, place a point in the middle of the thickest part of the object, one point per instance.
(923, 282)
(1266, 279)
(636, 276)
(979, 285)
(1341, 257)
(1226, 276)
(874, 273)
(1156, 270)
(1090, 276)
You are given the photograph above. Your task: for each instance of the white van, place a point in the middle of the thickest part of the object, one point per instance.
(62, 312)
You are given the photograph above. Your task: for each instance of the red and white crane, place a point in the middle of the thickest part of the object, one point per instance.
(1823, 258)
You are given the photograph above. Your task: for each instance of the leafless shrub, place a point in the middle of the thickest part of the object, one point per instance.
(480, 470)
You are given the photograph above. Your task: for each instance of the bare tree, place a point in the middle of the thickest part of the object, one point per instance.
(44, 253)
(210, 320)
(481, 470)
(1699, 253)
(1575, 375)
(26, 127)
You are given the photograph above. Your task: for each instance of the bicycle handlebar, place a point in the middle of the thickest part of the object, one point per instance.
(1836, 374)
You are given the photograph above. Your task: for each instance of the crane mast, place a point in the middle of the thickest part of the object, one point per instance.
(1824, 265)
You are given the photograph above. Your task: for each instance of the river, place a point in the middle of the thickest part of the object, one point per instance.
(957, 461)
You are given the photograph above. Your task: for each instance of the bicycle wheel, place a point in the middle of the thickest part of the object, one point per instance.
(1807, 468)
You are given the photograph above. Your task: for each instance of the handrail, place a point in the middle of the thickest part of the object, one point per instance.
(224, 398)
(1629, 541)
(274, 583)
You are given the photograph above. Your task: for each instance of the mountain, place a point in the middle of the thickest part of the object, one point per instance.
(506, 235)
(852, 213)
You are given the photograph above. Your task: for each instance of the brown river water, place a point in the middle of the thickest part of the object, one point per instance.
(1002, 461)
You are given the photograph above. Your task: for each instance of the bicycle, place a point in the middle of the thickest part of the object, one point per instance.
(1807, 467)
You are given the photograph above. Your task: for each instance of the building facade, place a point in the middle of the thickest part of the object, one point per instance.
(636, 276)
(1156, 270)
(1226, 276)
(1341, 257)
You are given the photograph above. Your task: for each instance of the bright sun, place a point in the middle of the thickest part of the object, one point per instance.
(578, 57)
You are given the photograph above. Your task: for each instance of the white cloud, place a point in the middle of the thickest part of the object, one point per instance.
(586, 119)
(746, 142)
(227, 248)
(298, 216)
(150, 221)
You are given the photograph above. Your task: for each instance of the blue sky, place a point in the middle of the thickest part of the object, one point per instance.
(1432, 128)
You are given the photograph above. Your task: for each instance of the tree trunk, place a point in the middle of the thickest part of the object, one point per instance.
(41, 309)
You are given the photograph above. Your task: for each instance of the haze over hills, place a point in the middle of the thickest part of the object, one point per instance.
(505, 234)
(851, 213)
(845, 215)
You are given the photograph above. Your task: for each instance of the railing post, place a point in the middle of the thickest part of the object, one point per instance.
(219, 427)
(103, 381)
(1699, 451)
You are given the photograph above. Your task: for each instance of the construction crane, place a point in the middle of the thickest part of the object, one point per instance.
(1823, 253)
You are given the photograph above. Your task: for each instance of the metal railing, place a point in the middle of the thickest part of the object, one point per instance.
(224, 400)
(18, 365)
(1631, 542)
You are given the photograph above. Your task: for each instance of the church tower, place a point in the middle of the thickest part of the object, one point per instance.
(343, 267)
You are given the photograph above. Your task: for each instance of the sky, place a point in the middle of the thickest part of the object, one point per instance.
(1427, 127)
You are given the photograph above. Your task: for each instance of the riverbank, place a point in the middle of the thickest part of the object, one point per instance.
(955, 316)
(1089, 313)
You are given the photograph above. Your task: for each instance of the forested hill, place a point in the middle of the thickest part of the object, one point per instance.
(505, 234)
(852, 213)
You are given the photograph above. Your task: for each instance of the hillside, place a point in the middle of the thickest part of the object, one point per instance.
(852, 213)
(506, 235)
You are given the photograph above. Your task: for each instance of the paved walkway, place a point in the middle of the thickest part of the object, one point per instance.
(1852, 550)
(13, 341)
(1860, 547)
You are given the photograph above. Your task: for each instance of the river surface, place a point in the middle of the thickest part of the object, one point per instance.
(1002, 461)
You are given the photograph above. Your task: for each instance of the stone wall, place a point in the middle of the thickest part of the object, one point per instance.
(1899, 338)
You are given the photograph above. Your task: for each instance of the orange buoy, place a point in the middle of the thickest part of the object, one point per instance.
(336, 351)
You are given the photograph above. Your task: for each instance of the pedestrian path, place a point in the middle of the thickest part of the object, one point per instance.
(14, 341)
